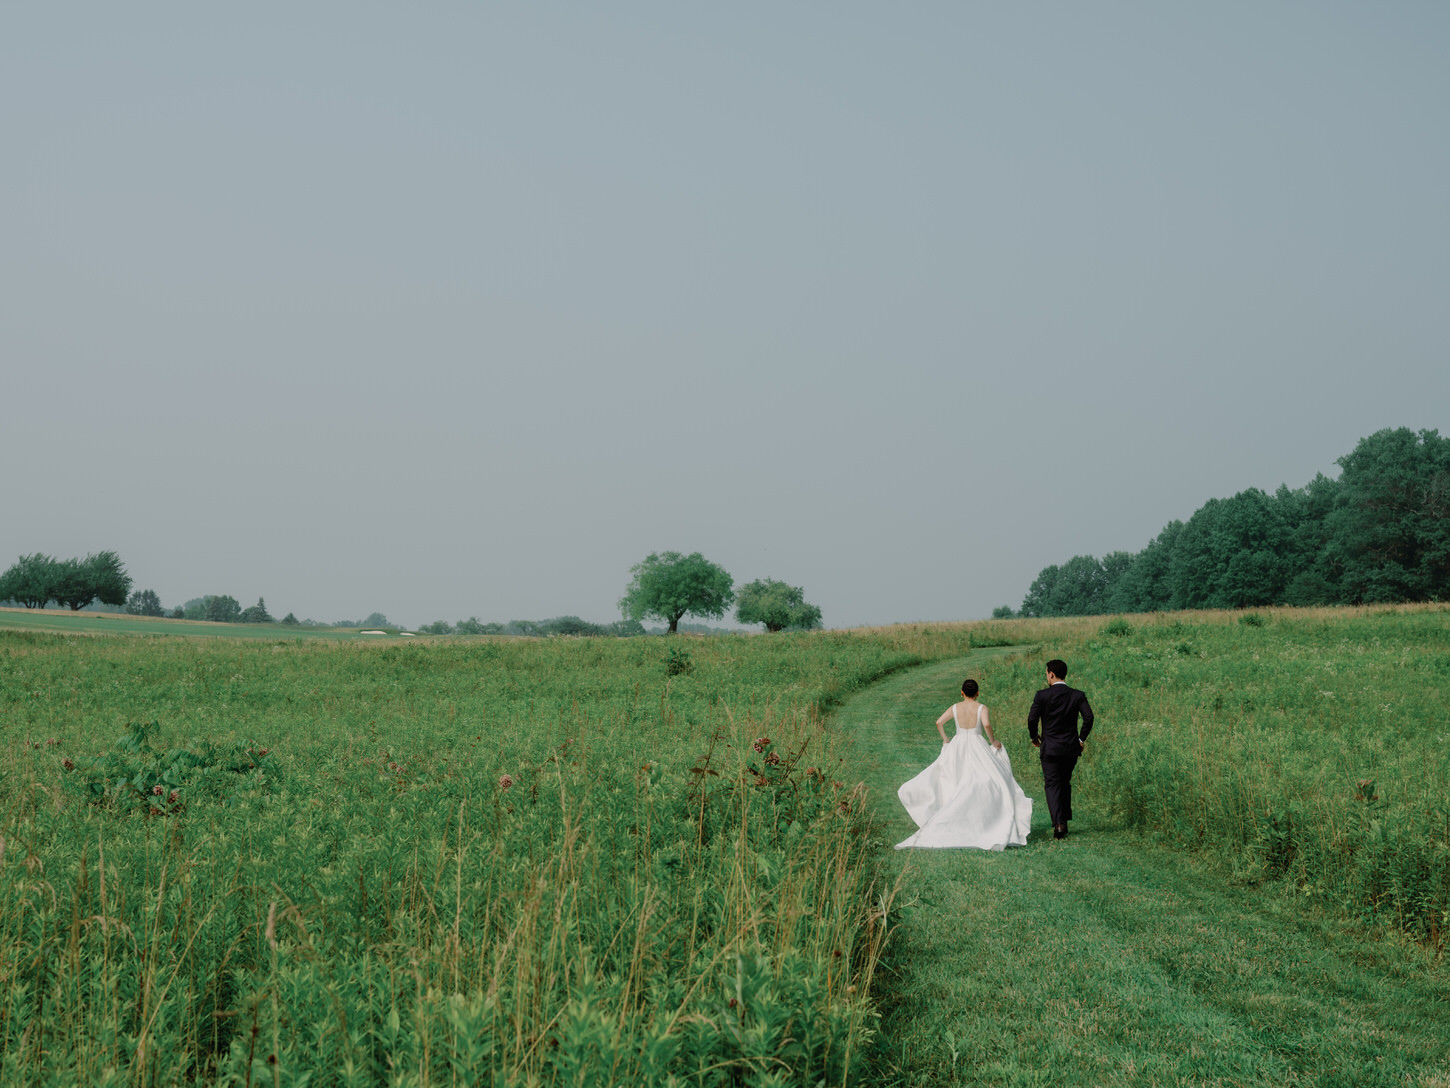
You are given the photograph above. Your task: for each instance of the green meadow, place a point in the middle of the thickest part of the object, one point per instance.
(64, 622)
(334, 861)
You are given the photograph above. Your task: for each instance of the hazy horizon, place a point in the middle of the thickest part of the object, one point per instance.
(463, 311)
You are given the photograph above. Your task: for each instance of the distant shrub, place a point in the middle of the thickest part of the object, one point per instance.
(679, 662)
(1251, 619)
(1117, 626)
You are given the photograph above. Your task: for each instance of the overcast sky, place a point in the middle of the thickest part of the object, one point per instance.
(459, 310)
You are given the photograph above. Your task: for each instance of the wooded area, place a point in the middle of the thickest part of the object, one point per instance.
(1378, 534)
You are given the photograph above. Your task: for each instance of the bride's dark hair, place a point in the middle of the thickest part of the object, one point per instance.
(970, 689)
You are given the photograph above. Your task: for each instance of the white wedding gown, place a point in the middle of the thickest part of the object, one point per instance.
(967, 797)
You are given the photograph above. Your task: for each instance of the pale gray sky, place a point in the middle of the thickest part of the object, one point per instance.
(454, 309)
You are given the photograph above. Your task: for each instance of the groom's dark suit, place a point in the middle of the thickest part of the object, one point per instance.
(1057, 709)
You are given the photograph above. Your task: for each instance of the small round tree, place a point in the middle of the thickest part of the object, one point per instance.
(144, 602)
(669, 586)
(223, 609)
(776, 605)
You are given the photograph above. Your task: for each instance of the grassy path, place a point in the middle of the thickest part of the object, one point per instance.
(1106, 960)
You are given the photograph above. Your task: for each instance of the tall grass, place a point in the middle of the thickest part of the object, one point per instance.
(611, 861)
(1309, 748)
(469, 862)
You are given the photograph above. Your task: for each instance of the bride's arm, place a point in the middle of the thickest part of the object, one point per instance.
(942, 721)
(987, 727)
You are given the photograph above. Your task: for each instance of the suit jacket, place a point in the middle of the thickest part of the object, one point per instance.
(1057, 709)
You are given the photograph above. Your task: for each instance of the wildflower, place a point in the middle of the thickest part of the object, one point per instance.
(761, 780)
(51, 742)
(68, 763)
(505, 781)
(760, 743)
(812, 772)
(772, 759)
(264, 751)
(157, 789)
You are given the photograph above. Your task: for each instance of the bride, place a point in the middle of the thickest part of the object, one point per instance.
(967, 797)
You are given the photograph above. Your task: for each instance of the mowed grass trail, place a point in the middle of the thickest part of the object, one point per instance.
(1108, 960)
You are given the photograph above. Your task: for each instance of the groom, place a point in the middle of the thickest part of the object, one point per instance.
(1057, 708)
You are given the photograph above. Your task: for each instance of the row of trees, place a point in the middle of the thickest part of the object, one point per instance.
(224, 608)
(669, 586)
(560, 625)
(36, 580)
(1379, 533)
(666, 586)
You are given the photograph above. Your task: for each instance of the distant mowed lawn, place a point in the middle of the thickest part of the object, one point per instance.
(64, 621)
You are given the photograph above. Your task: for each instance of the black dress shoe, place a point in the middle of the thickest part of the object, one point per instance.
(1059, 832)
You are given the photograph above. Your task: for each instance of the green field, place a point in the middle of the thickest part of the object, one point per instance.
(65, 622)
(332, 861)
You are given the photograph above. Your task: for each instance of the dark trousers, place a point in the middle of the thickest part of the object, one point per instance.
(1057, 782)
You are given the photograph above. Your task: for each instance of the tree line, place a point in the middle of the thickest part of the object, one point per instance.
(37, 579)
(666, 586)
(1378, 533)
(559, 625)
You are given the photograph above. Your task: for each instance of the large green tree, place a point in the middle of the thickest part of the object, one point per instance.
(31, 580)
(1145, 585)
(777, 605)
(1390, 530)
(99, 577)
(144, 602)
(669, 586)
(1233, 553)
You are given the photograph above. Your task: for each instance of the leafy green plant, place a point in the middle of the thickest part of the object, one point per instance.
(134, 773)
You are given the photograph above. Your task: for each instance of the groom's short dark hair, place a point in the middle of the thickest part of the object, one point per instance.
(1057, 668)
